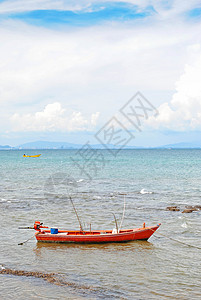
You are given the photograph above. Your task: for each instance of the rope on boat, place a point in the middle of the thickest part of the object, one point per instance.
(116, 222)
(186, 244)
(27, 240)
(123, 213)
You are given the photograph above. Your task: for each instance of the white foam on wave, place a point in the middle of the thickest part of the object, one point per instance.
(184, 225)
(96, 198)
(4, 200)
(143, 192)
(80, 180)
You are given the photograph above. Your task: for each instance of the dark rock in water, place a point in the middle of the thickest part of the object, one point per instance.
(188, 206)
(189, 210)
(198, 207)
(50, 277)
(46, 276)
(172, 208)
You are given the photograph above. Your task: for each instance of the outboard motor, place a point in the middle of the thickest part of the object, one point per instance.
(37, 225)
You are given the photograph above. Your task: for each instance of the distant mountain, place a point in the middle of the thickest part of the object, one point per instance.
(5, 147)
(63, 145)
(182, 145)
(48, 145)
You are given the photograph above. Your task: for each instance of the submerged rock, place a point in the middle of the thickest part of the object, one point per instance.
(189, 210)
(172, 208)
(198, 207)
(49, 277)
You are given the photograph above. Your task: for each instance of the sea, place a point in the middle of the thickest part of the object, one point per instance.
(135, 186)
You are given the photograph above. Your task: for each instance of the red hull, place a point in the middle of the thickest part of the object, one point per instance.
(65, 236)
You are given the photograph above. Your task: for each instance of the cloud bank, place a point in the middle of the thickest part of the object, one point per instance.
(184, 110)
(56, 78)
(53, 118)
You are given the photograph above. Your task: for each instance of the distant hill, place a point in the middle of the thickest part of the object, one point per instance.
(48, 145)
(5, 147)
(182, 145)
(63, 145)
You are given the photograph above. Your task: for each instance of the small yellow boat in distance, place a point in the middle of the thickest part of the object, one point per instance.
(37, 155)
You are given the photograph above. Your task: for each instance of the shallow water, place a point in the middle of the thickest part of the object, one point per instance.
(39, 189)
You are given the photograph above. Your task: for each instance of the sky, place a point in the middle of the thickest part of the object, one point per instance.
(69, 67)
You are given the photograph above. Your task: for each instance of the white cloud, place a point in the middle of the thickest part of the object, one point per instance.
(53, 118)
(96, 68)
(17, 6)
(38, 63)
(184, 110)
(94, 118)
(172, 9)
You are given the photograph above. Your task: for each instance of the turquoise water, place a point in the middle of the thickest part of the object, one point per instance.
(150, 180)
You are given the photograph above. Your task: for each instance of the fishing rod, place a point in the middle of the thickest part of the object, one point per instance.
(81, 228)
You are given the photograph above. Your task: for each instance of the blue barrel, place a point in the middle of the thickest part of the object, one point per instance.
(53, 230)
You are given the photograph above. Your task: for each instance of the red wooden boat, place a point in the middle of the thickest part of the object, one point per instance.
(53, 235)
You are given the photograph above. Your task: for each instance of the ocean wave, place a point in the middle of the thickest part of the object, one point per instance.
(80, 180)
(184, 225)
(2, 200)
(143, 192)
(97, 198)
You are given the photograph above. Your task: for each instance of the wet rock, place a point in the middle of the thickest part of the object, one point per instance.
(189, 207)
(49, 277)
(189, 210)
(198, 207)
(172, 208)
(192, 207)
(27, 274)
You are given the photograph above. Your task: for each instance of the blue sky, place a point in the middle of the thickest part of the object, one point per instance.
(67, 67)
(98, 14)
(194, 13)
(90, 14)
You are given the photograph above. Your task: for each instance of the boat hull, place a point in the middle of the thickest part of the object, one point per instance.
(94, 237)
